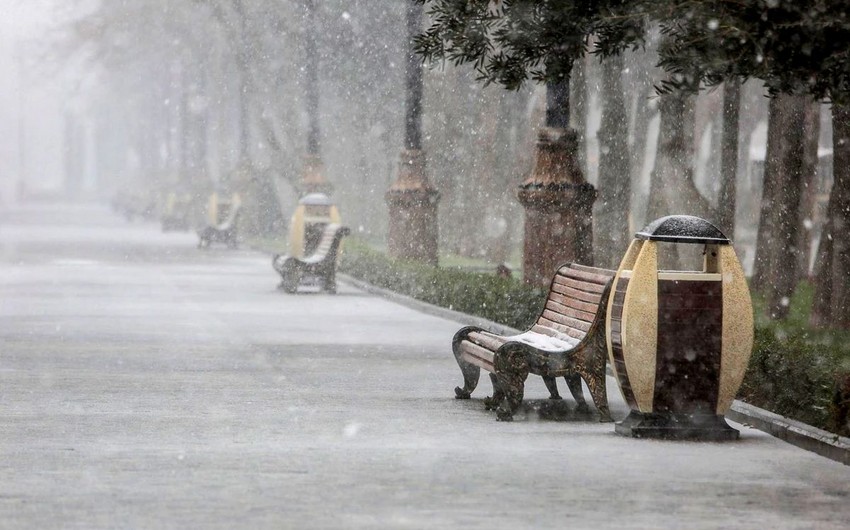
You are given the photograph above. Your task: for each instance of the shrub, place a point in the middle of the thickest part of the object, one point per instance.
(791, 376)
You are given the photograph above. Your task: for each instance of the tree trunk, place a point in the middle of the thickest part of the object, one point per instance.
(808, 201)
(614, 184)
(778, 253)
(672, 188)
(311, 58)
(578, 117)
(242, 52)
(729, 158)
(769, 198)
(832, 281)
(644, 108)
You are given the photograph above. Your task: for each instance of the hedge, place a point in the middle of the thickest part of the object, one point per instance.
(504, 300)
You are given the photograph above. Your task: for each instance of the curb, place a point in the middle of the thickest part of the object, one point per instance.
(793, 432)
(796, 433)
(429, 309)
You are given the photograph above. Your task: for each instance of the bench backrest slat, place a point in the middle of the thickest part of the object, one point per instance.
(589, 277)
(592, 298)
(588, 268)
(575, 303)
(574, 299)
(580, 285)
(570, 312)
(326, 242)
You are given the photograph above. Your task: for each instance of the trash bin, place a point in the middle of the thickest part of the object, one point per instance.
(313, 213)
(679, 341)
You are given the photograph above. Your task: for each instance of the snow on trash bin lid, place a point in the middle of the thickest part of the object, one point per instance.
(316, 199)
(683, 229)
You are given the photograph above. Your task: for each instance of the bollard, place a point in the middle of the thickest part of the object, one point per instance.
(679, 341)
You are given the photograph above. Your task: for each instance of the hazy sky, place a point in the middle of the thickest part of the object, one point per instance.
(30, 113)
(25, 17)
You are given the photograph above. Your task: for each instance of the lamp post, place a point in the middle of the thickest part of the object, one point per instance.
(313, 172)
(557, 199)
(412, 200)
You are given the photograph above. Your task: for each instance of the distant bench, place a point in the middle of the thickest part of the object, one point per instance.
(223, 232)
(321, 264)
(568, 340)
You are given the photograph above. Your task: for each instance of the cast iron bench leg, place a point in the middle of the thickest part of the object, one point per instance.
(470, 372)
(511, 365)
(552, 386)
(574, 384)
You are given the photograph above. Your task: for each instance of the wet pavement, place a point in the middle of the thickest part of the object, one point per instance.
(147, 384)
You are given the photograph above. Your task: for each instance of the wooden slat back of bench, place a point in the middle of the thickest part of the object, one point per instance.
(326, 241)
(574, 299)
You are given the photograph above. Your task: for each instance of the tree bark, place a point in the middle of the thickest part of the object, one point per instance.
(672, 188)
(311, 56)
(614, 184)
(726, 201)
(832, 274)
(769, 198)
(244, 82)
(808, 201)
(577, 99)
(778, 251)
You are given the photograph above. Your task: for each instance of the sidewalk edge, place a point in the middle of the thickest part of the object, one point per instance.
(794, 432)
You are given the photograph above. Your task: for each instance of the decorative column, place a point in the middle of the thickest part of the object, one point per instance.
(411, 199)
(313, 171)
(557, 200)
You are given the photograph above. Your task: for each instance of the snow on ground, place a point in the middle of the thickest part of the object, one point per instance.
(145, 383)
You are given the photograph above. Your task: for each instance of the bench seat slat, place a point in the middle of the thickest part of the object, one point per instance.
(552, 332)
(487, 340)
(477, 355)
(568, 330)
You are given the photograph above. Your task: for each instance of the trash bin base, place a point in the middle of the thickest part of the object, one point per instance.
(676, 426)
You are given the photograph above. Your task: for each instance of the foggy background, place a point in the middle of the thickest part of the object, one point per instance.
(143, 97)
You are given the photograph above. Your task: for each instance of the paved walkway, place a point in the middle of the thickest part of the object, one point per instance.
(147, 384)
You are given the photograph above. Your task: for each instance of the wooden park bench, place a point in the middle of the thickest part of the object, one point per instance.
(223, 232)
(321, 264)
(567, 340)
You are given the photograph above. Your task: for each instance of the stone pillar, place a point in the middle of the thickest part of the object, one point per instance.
(412, 201)
(558, 208)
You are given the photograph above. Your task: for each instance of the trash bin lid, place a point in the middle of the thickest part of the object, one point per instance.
(683, 229)
(316, 199)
